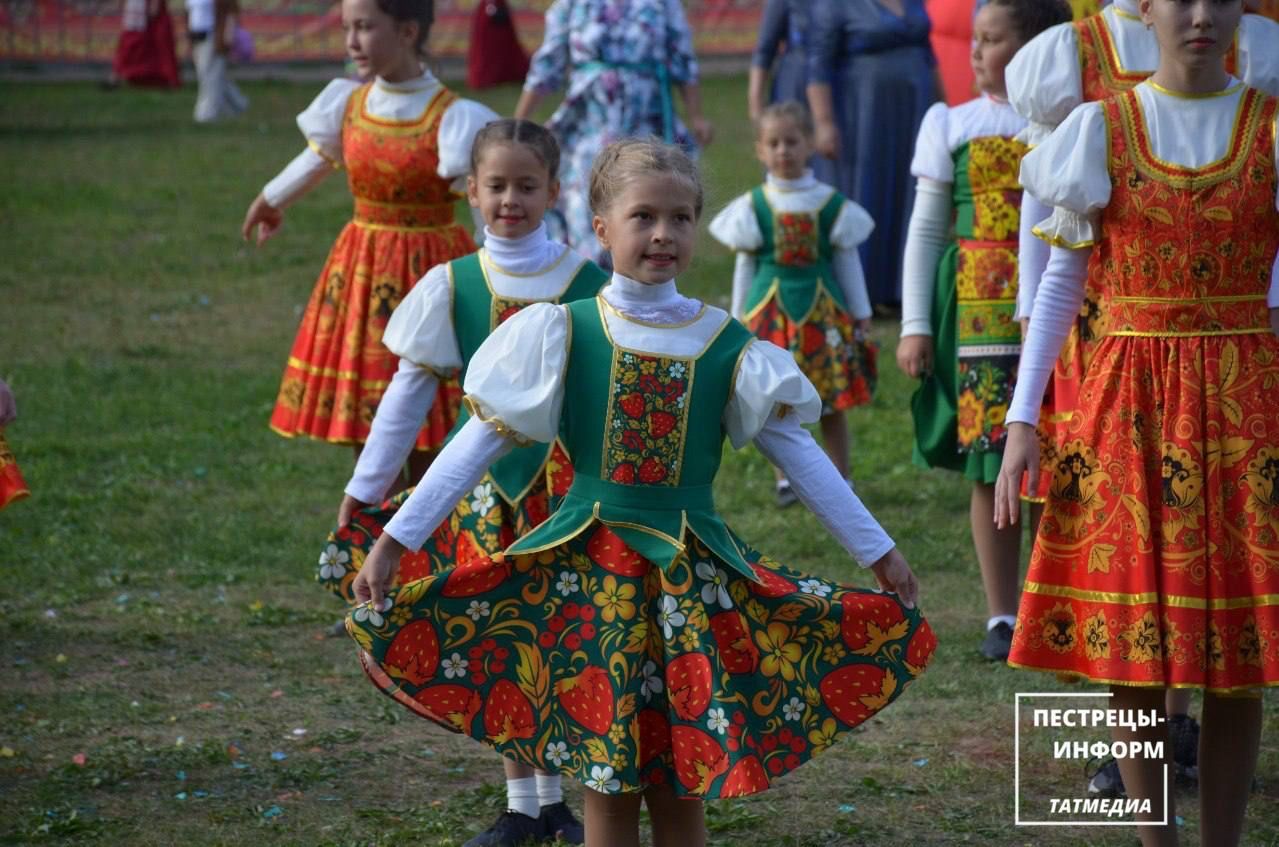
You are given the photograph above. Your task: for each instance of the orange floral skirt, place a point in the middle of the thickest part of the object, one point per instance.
(1157, 561)
(12, 486)
(840, 364)
(338, 367)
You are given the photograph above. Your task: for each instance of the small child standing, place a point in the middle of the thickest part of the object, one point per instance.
(798, 280)
(436, 331)
(959, 293)
(12, 486)
(404, 139)
(640, 630)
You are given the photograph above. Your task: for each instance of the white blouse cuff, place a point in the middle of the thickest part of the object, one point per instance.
(743, 279)
(1064, 228)
(769, 384)
(454, 474)
(821, 489)
(421, 326)
(516, 378)
(736, 227)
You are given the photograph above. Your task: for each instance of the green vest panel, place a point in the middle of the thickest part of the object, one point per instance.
(477, 311)
(795, 257)
(646, 435)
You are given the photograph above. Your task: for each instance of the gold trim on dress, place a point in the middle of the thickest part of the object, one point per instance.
(497, 423)
(334, 373)
(1203, 333)
(1176, 601)
(1190, 301)
(1238, 150)
(601, 303)
(319, 151)
(1057, 241)
(1078, 676)
(1194, 95)
(398, 228)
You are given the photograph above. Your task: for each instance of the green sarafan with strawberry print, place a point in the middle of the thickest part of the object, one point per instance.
(795, 303)
(624, 656)
(519, 491)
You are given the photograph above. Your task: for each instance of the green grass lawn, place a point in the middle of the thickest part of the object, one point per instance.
(166, 679)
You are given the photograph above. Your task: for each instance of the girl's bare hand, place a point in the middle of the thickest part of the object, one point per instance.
(894, 574)
(263, 217)
(915, 355)
(1021, 455)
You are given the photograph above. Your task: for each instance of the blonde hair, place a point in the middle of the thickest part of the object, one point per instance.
(631, 158)
(787, 110)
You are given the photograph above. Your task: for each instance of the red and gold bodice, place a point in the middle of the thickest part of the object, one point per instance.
(392, 165)
(1188, 251)
(1101, 73)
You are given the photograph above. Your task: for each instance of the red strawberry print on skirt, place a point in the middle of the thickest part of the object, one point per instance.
(588, 660)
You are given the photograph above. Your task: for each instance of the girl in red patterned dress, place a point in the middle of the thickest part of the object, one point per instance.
(1157, 560)
(404, 140)
(798, 280)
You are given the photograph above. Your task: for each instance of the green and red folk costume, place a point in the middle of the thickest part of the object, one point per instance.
(517, 492)
(799, 282)
(633, 639)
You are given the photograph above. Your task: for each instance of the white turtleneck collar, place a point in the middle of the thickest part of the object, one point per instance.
(525, 255)
(802, 183)
(656, 303)
(426, 80)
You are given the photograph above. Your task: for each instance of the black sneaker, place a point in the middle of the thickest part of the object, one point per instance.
(998, 642)
(1183, 732)
(1105, 779)
(785, 495)
(511, 829)
(558, 822)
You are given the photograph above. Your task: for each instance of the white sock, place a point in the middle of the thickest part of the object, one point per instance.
(1011, 620)
(548, 789)
(521, 796)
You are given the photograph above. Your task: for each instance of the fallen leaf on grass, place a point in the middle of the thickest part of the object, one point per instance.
(79, 759)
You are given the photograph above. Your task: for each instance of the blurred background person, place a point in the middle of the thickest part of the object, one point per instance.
(871, 77)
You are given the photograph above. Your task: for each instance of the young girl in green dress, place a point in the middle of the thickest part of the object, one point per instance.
(651, 653)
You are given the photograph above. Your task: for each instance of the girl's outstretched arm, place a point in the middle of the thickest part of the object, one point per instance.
(454, 473)
(831, 499)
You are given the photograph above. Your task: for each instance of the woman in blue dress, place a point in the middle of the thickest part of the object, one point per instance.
(617, 62)
(783, 22)
(871, 77)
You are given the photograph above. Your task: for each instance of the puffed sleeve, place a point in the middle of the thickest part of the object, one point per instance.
(516, 378)
(1044, 85)
(680, 58)
(321, 122)
(932, 146)
(773, 25)
(737, 228)
(1259, 53)
(768, 381)
(1068, 172)
(458, 128)
(853, 225)
(421, 327)
(548, 69)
